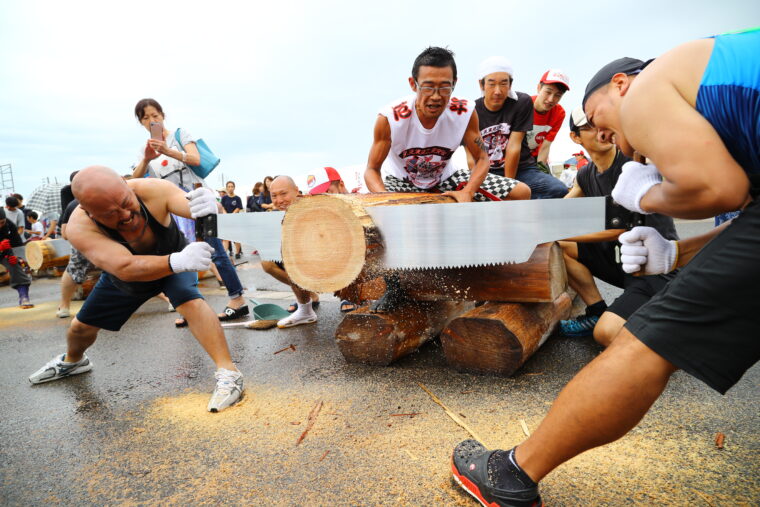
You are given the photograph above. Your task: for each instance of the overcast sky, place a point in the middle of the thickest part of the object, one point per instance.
(285, 87)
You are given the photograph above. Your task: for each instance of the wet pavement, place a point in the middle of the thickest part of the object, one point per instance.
(135, 429)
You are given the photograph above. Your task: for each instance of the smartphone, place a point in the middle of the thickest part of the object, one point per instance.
(156, 131)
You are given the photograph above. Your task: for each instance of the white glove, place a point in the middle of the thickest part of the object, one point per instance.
(644, 247)
(635, 180)
(202, 202)
(194, 257)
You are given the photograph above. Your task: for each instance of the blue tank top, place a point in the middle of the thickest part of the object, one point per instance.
(729, 96)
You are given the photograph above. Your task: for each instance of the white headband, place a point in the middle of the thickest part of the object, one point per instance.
(497, 64)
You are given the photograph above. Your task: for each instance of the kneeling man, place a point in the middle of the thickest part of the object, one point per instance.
(126, 229)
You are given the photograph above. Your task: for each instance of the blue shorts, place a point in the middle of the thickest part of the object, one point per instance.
(108, 307)
(729, 96)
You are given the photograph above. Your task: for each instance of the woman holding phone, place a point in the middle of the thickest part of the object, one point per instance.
(163, 157)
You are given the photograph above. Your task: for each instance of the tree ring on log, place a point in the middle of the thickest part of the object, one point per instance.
(323, 244)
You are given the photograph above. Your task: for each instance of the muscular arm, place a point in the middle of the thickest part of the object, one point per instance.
(660, 121)
(512, 156)
(543, 152)
(112, 257)
(381, 145)
(689, 247)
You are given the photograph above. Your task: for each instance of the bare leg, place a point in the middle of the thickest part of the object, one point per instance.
(205, 326)
(68, 286)
(281, 275)
(216, 272)
(579, 276)
(238, 248)
(519, 193)
(607, 328)
(79, 338)
(601, 404)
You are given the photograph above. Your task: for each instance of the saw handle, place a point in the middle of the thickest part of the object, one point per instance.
(205, 227)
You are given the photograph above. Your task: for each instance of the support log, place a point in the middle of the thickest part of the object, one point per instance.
(497, 338)
(329, 241)
(47, 253)
(381, 338)
(542, 279)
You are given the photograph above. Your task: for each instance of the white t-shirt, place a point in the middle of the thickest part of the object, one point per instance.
(171, 169)
(37, 230)
(420, 155)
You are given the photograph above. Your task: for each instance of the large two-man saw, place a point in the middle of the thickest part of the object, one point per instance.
(446, 235)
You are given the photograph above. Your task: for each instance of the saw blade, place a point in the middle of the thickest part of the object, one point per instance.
(480, 233)
(260, 230)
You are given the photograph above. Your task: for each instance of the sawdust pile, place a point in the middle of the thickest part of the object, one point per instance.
(356, 455)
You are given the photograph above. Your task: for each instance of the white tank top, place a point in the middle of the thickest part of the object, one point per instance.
(420, 155)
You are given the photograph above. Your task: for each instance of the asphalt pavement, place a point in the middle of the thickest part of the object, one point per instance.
(315, 430)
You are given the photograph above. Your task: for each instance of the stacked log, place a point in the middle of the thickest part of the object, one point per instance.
(47, 253)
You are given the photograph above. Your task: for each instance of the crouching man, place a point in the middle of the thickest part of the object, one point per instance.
(126, 229)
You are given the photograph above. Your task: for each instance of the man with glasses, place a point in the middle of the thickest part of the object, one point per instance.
(595, 255)
(420, 133)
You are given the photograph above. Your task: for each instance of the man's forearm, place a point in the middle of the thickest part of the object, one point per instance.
(689, 247)
(141, 268)
(374, 180)
(676, 201)
(543, 152)
(478, 174)
(140, 169)
(511, 159)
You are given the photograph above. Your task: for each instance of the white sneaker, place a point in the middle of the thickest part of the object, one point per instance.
(62, 313)
(56, 369)
(228, 390)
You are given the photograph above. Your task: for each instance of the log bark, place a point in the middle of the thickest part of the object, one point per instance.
(329, 241)
(47, 253)
(381, 338)
(497, 338)
(542, 279)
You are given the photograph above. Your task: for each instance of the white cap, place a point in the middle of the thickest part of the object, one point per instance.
(497, 64)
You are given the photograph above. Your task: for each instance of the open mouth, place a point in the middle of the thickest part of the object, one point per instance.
(129, 221)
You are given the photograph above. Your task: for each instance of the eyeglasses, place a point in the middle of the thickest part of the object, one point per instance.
(429, 91)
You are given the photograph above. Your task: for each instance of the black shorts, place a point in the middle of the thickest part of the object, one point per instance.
(706, 321)
(108, 307)
(599, 258)
(638, 290)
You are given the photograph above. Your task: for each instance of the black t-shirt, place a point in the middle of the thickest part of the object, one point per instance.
(8, 231)
(68, 211)
(496, 126)
(66, 197)
(230, 204)
(596, 184)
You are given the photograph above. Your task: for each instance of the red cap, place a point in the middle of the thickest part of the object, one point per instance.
(556, 76)
(319, 182)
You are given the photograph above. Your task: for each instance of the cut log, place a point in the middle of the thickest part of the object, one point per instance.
(329, 241)
(47, 253)
(497, 338)
(381, 338)
(542, 279)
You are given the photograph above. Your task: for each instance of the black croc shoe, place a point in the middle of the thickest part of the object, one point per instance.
(469, 464)
(234, 313)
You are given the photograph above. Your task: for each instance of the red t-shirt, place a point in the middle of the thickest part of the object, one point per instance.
(545, 127)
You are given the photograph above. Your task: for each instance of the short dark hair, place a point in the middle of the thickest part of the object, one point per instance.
(142, 104)
(434, 56)
(18, 196)
(11, 202)
(561, 86)
(229, 183)
(71, 176)
(33, 215)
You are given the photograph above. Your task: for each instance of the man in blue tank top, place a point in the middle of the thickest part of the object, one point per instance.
(695, 114)
(126, 229)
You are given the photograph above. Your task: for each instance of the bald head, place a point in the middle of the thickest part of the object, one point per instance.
(96, 183)
(107, 198)
(283, 191)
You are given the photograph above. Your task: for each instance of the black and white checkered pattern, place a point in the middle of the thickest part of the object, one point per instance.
(498, 186)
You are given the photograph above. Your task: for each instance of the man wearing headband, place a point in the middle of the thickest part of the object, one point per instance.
(420, 132)
(126, 229)
(504, 118)
(694, 113)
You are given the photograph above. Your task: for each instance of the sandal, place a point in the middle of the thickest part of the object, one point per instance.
(180, 322)
(233, 313)
(347, 306)
(294, 306)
